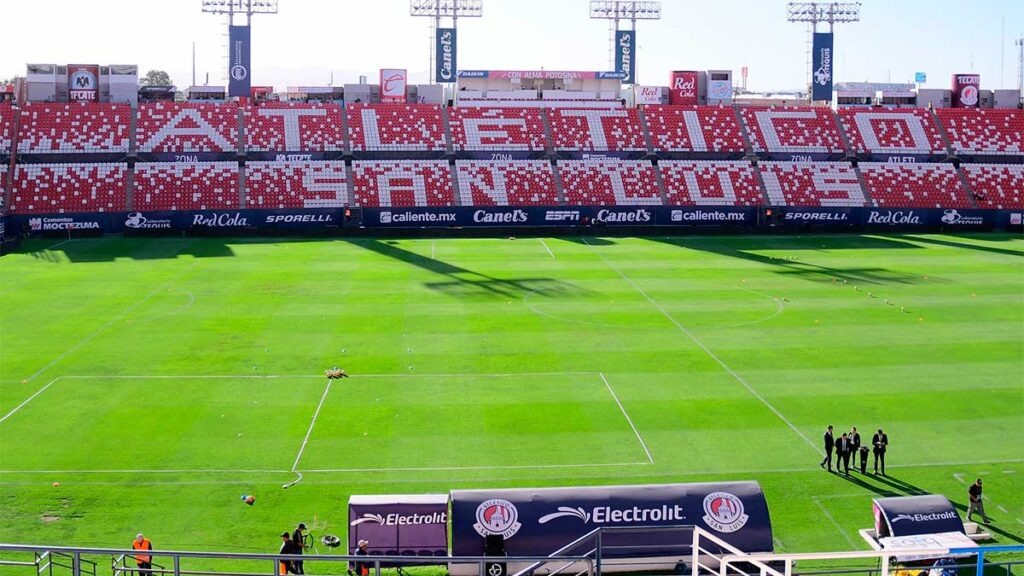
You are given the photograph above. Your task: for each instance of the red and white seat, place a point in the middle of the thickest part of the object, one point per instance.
(6, 128)
(506, 183)
(500, 129)
(184, 127)
(74, 128)
(186, 186)
(826, 184)
(694, 129)
(892, 131)
(609, 129)
(296, 184)
(68, 188)
(610, 182)
(285, 127)
(402, 183)
(914, 185)
(993, 132)
(998, 186)
(710, 183)
(407, 127)
(791, 129)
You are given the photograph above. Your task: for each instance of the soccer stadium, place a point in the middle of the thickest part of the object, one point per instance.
(512, 322)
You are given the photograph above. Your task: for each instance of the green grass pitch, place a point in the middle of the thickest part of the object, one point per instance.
(157, 380)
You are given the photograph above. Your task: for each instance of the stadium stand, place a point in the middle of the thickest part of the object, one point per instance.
(710, 183)
(402, 183)
(997, 186)
(186, 186)
(791, 129)
(408, 127)
(3, 187)
(179, 127)
(497, 129)
(826, 184)
(68, 188)
(610, 182)
(914, 185)
(6, 128)
(288, 127)
(74, 128)
(885, 131)
(597, 130)
(506, 183)
(990, 132)
(278, 184)
(694, 129)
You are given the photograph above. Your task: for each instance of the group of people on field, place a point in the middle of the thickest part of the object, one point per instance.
(848, 446)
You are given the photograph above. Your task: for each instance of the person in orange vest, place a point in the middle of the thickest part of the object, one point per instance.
(143, 561)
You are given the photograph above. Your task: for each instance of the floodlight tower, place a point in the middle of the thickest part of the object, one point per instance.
(619, 10)
(1020, 67)
(824, 12)
(248, 8)
(438, 9)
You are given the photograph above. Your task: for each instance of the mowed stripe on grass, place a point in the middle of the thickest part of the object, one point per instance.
(791, 316)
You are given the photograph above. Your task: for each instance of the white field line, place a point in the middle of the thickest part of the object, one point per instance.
(853, 545)
(545, 245)
(477, 468)
(433, 249)
(706, 350)
(628, 419)
(61, 243)
(92, 335)
(312, 423)
(960, 478)
(136, 483)
(278, 376)
(29, 399)
(523, 467)
(151, 471)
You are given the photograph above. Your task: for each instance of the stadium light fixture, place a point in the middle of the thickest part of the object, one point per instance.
(248, 7)
(625, 10)
(824, 12)
(447, 8)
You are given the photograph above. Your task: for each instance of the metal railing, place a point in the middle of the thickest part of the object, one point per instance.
(82, 563)
(886, 560)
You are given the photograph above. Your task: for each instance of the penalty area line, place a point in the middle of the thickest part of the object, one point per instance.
(693, 338)
(473, 468)
(545, 245)
(30, 398)
(305, 440)
(615, 397)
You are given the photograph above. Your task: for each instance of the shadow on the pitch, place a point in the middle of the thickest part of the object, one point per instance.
(965, 245)
(886, 486)
(991, 527)
(110, 248)
(463, 282)
(589, 240)
(746, 248)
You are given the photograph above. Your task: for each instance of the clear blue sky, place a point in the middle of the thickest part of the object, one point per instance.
(310, 39)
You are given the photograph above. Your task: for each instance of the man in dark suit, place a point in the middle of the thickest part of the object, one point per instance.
(830, 443)
(880, 441)
(854, 445)
(843, 453)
